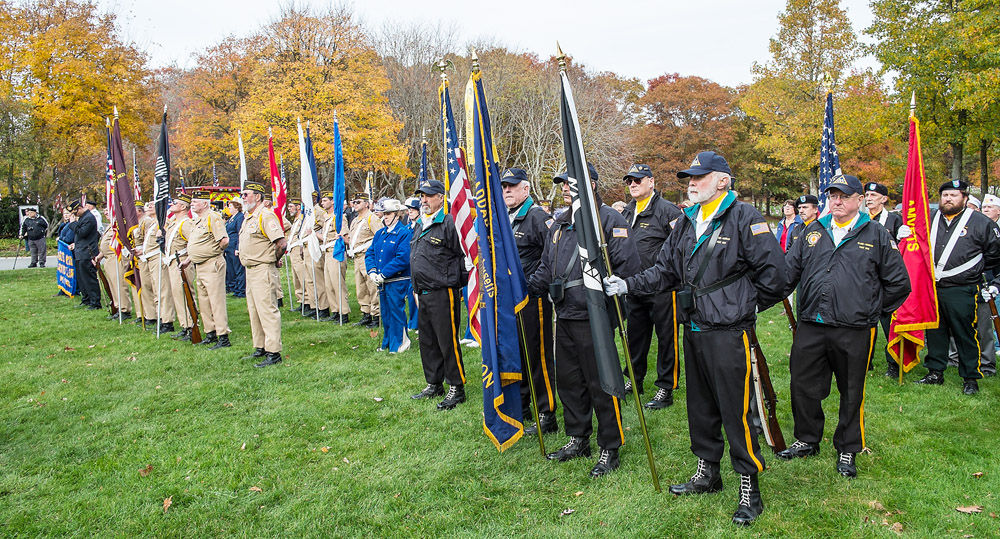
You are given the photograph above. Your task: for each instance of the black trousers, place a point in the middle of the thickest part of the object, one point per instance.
(86, 279)
(439, 322)
(644, 314)
(957, 311)
(537, 320)
(719, 391)
(819, 351)
(580, 386)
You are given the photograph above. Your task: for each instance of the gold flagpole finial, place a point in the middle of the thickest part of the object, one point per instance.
(441, 67)
(475, 61)
(423, 135)
(913, 103)
(560, 57)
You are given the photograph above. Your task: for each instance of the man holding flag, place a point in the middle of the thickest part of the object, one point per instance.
(262, 245)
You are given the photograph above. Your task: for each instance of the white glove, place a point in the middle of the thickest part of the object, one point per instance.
(903, 232)
(990, 292)
(376, 278)
(615, 286)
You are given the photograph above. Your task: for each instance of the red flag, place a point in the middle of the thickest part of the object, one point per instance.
(126, 218)
(920, 310)
(278, 193)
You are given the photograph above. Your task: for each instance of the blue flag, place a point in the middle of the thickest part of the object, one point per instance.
(312, 165)
(504, 288)
(829, 161)
(339, 188)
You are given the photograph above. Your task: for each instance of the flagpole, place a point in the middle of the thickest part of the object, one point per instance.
(120, 295)
(531, 382)
(621, 319)
(159, 297)
(902, 344)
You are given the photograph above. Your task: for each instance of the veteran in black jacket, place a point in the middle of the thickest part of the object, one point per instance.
(85, 248)
(726, 266)
(652, 218)
(576, 366)
(530, 224)
(437, 270)
(850, 276)
(965, 245)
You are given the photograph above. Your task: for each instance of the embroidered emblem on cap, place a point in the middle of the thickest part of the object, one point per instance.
(839, 179)
(802, 198)
(956, 183)
(634, 169)
(696, 162)
(871, 186)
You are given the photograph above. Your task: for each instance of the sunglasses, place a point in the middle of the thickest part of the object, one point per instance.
(630, 180)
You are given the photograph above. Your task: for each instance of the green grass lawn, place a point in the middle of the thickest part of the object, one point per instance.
(330, 444)
(14, 247)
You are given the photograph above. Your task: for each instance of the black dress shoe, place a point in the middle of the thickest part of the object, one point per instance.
(271, 358)
(281, 303)
(934, 378)
(970, 387)
(432, 390)
(548, 422)
(892, 370)
(578, 446)
(180, 334)
(375, 322)
(93, 307)
(209, 338)
(167, 327)
(324, 315)
(706, 479)
(750, 505)
(151, 325)
(662, 399)
(607, 462)
(365, 319)
(308, 312)
(455, 396)
(257, 352)
(344, 319)
(223, 342)
(846, 466)
(798, 450)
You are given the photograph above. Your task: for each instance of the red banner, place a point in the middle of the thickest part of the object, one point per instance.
(278, 191)
(920, 310)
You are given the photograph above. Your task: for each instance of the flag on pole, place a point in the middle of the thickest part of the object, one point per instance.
(135, 177)
(422, 176)
(124, 203)
(243, 161)
(589, 235)
(109, 177)
(920, 310)
(507, 293)
(215, 177)
(305, 183)
(277, 189)
(339, 194)
(460, 204)
(829, 160)
(161, 176)
(368, 186)
(312, 166)
(180, 173)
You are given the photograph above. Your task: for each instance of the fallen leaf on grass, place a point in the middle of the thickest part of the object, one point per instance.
(373, 333)
(969, 509)
(325, 449)
(566, 512)
(578, 493)
(874, 504)
(348, 462)
(69, 349)
(255, 488)
(993, 515)
(91, 346)
(243, 447)
(977, 474)
(145, 471)
(354, 348)
(380, 399)
(167, 502)
(897, 527)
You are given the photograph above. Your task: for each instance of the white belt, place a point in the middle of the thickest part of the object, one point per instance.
(940, 273)
(146, 257)
(359, 249)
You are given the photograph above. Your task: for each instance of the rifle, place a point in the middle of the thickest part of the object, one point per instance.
(792, 325)
(994, 316)
(189, 299)
(107, 288)
(767, 401)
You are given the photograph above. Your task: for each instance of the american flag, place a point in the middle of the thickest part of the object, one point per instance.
(829, 161)
(215, 177)
(135, 177)
(460, 205)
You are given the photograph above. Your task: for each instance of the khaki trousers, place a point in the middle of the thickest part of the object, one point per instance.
(119, 289)
(336, 284)
(265, 318)
(162, 293)
(279, 292)
(302, 268)
(321, 299)
(296, 280)
(212, 295)
(367, 290)
(177, 292)
(148, 296)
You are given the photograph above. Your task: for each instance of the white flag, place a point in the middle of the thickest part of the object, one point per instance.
(243, 162)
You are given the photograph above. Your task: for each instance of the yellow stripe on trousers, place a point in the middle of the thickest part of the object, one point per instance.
(861, 414)
(454, 334)
(541, 346)
(746, 404)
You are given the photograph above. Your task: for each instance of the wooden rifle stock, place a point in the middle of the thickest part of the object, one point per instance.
(994, 316)
(189, 299)
(767, 401)
(111, 299)
(792, 324)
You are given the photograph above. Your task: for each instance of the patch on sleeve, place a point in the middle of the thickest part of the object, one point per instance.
(619, 232)
(674, 223)
(548, 223)
(759, 228)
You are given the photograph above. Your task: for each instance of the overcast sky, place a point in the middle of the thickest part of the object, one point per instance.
(716, 39)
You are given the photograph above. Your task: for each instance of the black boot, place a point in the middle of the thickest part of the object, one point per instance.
(578, 446)
(970, 387)
(138, 320)
(185, 335)
(373, 322)
(455, 396)
(662, 399)
(112, 316)
(548, 423)
(706, 479)
(271, 358)
(181, 334)
(308, 312)
(223, 342)
(151, 324)
(257, 352)
(344, 319)
(365, 319)
(934, 378)
(798, 450)
(209, 338)
(166, 327)
(281, 303)
(892, 370)
(750, 505)
(324, 315)
(126, 315)
(607, 462)
(846, 466)
(432, 390)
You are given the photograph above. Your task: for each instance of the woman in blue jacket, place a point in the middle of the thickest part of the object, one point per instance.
(236, 279)
(789, 223)
(388, 263)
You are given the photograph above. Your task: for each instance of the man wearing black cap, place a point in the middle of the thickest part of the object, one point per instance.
(531, 227)
(808, 208)
(85, 248)
(206, 244)
(560, 274)
(262, 246)
(965, 245)
(836, 331)
(33, 228)
(726, 265)
(652, 218)
(178, 230)
(437, 270)
(334, 280)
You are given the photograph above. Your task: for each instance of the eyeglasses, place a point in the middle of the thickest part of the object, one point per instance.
(630, 180)
(841, 196)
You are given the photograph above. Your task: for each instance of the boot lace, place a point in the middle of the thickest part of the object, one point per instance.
(700, 471)
(798, 445)
(451, 393)
(605, 456)
(745, 490)
(845, 459)
(661, 394)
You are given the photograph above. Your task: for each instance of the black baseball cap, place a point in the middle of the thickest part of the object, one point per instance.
(431, 187)
(564, 175)
(704, 163)
(846, 184)
(638, 171)
(514, 176)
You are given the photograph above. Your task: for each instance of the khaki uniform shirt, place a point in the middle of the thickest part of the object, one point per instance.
(362, 233)
(206, 233)
(108, 243)
(139, 232)
(329, 236)
(178, 231)
(257, 236)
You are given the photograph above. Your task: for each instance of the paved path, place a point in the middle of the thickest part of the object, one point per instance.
(7, 263)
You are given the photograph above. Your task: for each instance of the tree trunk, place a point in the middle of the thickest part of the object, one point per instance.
(984, 173)
(956, 160)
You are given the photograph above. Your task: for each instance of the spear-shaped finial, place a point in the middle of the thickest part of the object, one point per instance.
(164, 108)
(475, 61)
(335, 115)
(441, 66)
(423, 135)
(107, 122)
(308, 123)
(913, 103)
(560, 57)
(116, 111)
(269, 134)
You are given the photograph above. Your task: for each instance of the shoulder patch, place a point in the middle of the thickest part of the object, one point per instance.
(619, 232)
(759, 228)
(674, 223)
(812, 238)
(548, 223)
